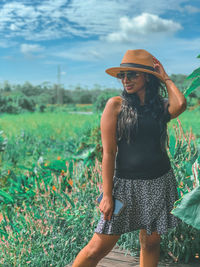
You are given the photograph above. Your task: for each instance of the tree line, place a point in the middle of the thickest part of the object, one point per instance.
(26, 97)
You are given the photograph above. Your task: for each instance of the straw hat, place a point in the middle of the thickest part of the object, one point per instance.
(136, 60)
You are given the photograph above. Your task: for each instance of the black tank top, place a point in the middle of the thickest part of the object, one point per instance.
(144, 158)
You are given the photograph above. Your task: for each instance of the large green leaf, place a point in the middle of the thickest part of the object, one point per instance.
(198, 56)
(195, 84)
(172, 142)
(85, 154)
(194, 74)
(189, 208)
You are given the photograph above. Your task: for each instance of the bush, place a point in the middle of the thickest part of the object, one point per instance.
(27, 103)
(100, 103)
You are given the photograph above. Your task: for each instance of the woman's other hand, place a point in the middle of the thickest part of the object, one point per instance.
(159, 68)
(177, 101)
(106, 206)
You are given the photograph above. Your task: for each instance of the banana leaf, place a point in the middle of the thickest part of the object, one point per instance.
(195, 84)
(188, 210)
(194, 74)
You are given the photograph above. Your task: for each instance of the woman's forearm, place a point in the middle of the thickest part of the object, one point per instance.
(177, 101)
(176, 97)
(108, 165)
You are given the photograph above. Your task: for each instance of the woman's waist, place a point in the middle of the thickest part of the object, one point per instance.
(144, 159)
(145, 174)
(142, 167)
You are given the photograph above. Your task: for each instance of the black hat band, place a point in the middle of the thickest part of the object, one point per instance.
(133, 65)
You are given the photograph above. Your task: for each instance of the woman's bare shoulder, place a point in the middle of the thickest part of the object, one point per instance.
(115, 103)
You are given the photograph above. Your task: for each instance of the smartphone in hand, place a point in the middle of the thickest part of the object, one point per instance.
(118, 205)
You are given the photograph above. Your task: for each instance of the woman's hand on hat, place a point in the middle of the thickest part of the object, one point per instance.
(106, 206)
(159, 68)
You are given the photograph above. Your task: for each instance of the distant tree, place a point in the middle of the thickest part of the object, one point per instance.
(6, 86)
(192, 91)
(86, 97)
(78, 88)
(100, 103)
(179, 80)
(30, 90)
(27, 103)
(67, 97)
(95, 93)
(7, 105)
(46, 85)
(27, 89)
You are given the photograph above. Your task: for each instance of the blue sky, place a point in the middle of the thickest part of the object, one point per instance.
(84, 37)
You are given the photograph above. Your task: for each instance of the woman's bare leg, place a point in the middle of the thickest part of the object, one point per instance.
(150, 249)
(98, 247)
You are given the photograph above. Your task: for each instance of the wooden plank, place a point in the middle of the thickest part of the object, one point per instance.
(121, 256)
(106, 262)
(117, 258)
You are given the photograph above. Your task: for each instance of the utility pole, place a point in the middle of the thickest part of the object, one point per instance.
(59, 91)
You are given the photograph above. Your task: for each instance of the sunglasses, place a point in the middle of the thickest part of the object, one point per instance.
(129, 74)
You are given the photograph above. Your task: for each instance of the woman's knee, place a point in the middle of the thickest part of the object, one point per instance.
(94, 253)
(100, 246)
(149, 242)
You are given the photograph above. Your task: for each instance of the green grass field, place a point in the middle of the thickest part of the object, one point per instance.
(57, 125)
(63, 125)
(55, 201)
(51, 135)
(47, 135)
(191, 119)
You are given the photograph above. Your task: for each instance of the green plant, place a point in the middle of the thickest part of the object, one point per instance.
(3, 141)
(195, 83)
(49, 220)
(48, 200)
(100, 103)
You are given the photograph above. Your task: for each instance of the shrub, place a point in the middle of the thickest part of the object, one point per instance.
(100, 103)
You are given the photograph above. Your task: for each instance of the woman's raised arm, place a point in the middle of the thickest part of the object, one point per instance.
(177, 101)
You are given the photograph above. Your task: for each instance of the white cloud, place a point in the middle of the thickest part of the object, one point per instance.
(3, 44)
(51, 20)
(28, 49)
(13, 27)
(80, 53)
(101, 17)
(7, 43)
(47, 19)
(140, 27)
(191, 9)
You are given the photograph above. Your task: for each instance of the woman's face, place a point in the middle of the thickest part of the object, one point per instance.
(134, 82)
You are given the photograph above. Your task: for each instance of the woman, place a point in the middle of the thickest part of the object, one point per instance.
(133, 129)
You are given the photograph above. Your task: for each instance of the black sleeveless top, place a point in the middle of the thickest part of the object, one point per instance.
(144, 158)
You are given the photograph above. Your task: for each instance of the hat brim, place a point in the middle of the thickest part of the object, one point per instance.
(115, 70)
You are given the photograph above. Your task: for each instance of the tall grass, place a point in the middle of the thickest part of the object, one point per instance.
(59, 126)
(49, 208)
(190, 119)
(52, 225)
(32, 136)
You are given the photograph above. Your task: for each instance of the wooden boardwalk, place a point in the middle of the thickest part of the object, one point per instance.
(117, 258)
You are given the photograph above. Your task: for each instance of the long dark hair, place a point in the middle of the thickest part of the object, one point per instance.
(127, 124)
